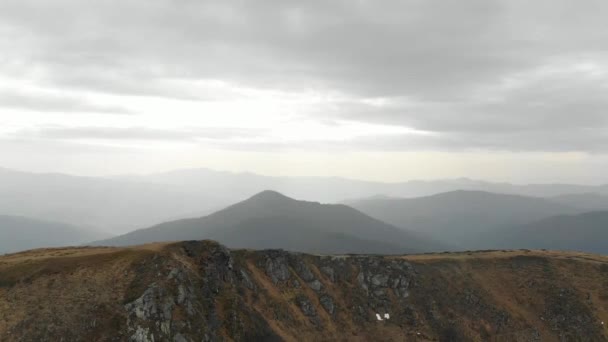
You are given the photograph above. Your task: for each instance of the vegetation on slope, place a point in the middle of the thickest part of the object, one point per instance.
(192, 291)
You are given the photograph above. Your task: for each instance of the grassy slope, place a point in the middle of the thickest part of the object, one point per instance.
(494, 295)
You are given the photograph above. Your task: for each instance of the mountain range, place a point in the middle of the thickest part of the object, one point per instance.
(189, 203)
(272, 220)
(465, 219)
(123, 203)
(583, 232)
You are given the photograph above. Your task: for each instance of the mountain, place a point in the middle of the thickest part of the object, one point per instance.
(202, 291)
(466, 219)
(335, 189)
(586, 232)
(21, 233)
(123, 203)
(106, 204)
(272, 220)
(585, 201)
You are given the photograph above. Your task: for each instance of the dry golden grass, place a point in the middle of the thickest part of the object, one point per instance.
(67, 285)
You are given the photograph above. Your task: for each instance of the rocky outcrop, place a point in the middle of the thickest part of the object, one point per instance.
(202, 291)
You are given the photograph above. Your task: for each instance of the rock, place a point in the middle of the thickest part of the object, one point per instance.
(176, 274)
(276, 267)
(315, 285)
(328, 304)
(302, 269)
(179, 338)
(181, 294)
(142, 335)
(329, 272)
(402, 293)
(380, 280)
(380, 293)
(361, 281)
(146, 307)
(306, 306)
(246, 280)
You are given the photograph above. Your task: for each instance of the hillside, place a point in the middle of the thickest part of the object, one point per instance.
(193, 291)
(585, 232)
(21, 233)
(466, 219)
(272, 220)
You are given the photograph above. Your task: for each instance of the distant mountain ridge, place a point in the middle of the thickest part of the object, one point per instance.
(272, 220)
(19, 233)
(123, 203)
(467, 219)
(107, 204)
(586, 232)
(335, 189)
(584, 201)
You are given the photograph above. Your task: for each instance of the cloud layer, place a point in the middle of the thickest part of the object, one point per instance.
(414, 75)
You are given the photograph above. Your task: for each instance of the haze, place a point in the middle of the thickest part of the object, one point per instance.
(386, 91)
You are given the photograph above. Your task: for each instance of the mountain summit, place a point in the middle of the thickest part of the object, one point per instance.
(270, 196)
(272, 220)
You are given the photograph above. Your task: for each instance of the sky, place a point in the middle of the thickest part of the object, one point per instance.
(505, 90)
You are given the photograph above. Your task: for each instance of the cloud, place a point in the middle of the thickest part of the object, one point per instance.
(507, 75)
(427, 48)
(135, 133)
(44, 102)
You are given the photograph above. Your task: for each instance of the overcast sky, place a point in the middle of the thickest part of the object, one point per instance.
(507, 90)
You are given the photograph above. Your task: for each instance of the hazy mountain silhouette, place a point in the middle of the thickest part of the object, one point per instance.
(272, 220)
(123, 203)
(586, 201)
(107, 204)
(466, 219)
(20, 233)
(587, 232)
(335, 189)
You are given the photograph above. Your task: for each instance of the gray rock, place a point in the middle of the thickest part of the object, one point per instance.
(361, 281)
(329, 272)
(306, 306)
(181, 294)
(315, 285)
(380, 280)
(277, 269)
(302, 269)
(142, 335)
(379, 293)
(179, 338)
(328, 304)
(146, 306)
(175, 273)
(246, 279)
(402, 293)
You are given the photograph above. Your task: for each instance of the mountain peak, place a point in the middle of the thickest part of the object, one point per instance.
(269, 195)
